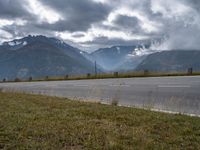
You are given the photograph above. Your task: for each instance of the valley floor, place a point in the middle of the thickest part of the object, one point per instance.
(42, 122)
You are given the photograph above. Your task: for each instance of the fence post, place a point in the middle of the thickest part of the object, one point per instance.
(47, 77)
(146, 72)
(190, 71)
(116, 74)
(17, 79)
(30, 79)
(88, 75)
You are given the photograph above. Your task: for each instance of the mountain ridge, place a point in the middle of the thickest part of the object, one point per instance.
(174, 60)
(41, 56)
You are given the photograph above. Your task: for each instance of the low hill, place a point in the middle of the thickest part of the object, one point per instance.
(175, 60)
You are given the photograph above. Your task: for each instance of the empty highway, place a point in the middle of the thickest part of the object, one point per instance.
(177, 94)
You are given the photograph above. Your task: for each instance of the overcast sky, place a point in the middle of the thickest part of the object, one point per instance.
(90, 24)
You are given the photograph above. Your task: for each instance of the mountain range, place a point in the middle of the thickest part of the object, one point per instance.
(116, 58)
(40, 56)
(171, 61)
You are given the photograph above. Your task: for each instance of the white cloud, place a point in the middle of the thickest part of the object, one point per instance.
(7, 22)
(101, 1)
(146, 24)
(44, 13)
(96, 32)
(170, 8)
(176, 11)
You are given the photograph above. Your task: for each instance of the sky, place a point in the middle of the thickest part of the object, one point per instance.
(93, 24)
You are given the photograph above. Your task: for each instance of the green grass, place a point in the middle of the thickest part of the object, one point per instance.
(41, 122)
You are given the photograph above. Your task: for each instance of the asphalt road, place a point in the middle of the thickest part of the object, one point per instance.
(177, 94)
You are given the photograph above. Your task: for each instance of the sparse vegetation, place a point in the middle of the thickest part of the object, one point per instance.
(144, 73)
(42, 122)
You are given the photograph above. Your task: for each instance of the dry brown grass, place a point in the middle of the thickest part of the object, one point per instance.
(42, 122)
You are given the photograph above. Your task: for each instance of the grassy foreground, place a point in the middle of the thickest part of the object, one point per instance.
(41, 122)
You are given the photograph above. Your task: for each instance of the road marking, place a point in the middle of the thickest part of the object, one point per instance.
(82, 85)
(174, 86)
(119, 85)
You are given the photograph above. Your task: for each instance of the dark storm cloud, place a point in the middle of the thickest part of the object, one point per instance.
(178, 20)
(66, 25)
(13, 9)
(132, 23)
(78, 15)
(194, 3)
(10, 8)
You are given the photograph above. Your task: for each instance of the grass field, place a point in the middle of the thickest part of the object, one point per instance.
(41, 122)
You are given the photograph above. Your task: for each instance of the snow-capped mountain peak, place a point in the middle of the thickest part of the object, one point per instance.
(16, 43)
